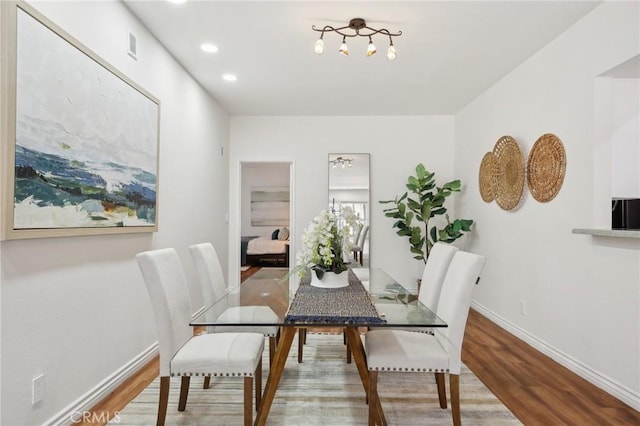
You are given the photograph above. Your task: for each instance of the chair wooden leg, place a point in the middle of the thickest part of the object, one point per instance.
(163, 400)
(375, 407)
(258, 381)
(184, 392)
(442, 392)
(207, 382)
(272, 348)
(301, 341)
(248, 394)
(373, 397)
(454, 385)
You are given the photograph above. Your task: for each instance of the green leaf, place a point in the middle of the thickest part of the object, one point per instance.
(454, 185)
(466, 224)
(415, 250)
(426, 210)
(421, 171)
(409, 217)
(414, 205)
(434, 235)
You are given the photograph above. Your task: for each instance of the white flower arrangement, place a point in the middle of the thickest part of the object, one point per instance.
(325, 243)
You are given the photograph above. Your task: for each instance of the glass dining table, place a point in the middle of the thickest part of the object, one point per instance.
(372, 299)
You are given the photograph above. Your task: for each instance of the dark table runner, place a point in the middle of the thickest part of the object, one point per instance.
(334, 306)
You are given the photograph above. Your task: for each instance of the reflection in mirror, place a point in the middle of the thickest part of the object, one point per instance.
(349, 186)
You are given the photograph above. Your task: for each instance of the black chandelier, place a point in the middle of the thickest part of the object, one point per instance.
(341, 161)
(356, 25)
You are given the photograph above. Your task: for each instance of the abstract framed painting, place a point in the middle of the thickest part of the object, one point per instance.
(269, 206)
(79, 138)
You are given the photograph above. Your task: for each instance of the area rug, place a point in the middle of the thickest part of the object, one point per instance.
(323, 390)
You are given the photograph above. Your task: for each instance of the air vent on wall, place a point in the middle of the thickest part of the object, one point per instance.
(133, 47)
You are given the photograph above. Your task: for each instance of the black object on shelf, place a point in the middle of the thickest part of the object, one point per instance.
(625, 213)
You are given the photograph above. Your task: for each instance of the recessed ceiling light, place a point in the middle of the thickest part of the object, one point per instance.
(209, 48)
(229, 77)
(177, 1)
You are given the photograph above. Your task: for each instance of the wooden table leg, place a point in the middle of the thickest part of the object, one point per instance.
(357, 351)
(275, 373)
(360, 358)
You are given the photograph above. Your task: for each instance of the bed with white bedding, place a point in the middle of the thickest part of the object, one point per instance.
(263, 251)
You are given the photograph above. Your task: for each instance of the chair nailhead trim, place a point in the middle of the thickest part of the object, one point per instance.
(412, 369)
(212, 374)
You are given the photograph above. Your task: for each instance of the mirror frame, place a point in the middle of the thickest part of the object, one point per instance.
(354, 196)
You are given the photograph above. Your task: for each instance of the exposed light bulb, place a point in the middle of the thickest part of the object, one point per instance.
(344, 49)
(391, 53)
(371, 49)
(319, 47)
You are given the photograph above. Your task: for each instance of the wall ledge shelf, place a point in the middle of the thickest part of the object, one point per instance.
(617, 233)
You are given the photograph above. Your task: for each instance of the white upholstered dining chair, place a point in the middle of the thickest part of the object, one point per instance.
(213, 286)
(182, 353)
(438, 262)
(402, 351)
(358, 248)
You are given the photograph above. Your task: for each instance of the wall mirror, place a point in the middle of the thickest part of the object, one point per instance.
(349, 186)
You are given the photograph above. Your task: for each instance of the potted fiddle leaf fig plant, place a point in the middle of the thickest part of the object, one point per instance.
(414, 210)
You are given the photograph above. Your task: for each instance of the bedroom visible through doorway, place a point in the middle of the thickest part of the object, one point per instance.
(265, 215)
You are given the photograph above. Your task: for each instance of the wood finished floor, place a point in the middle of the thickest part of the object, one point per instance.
(535, 388)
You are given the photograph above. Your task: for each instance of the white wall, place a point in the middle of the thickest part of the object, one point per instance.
(76, 309)
(260, 175)
(626, 138)
(396, 145)
(582, 293)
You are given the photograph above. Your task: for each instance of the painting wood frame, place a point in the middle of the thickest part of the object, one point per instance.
(80, 140)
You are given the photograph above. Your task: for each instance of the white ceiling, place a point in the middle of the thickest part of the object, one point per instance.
(448, 54)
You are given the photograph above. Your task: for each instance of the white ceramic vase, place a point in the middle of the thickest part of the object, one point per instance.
(330, 279)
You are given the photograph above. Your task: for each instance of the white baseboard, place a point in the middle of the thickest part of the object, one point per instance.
(87, 401)
(598, 379)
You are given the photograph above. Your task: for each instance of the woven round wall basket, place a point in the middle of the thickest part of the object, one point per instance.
(508, 173)
(546, 167)
(485, 177)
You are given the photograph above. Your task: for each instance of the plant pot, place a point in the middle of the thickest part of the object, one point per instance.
(330, 280)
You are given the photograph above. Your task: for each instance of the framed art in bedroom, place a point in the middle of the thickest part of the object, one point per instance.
(269, 205)
(79, 138)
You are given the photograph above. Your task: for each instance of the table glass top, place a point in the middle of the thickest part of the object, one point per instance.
(266, 302)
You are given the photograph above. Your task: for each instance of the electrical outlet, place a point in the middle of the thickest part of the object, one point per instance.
(523, 308)
(37, 389)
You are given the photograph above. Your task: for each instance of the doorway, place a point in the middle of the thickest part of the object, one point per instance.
(265, 225)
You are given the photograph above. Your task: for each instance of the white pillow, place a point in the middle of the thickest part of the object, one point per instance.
(283, 234)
